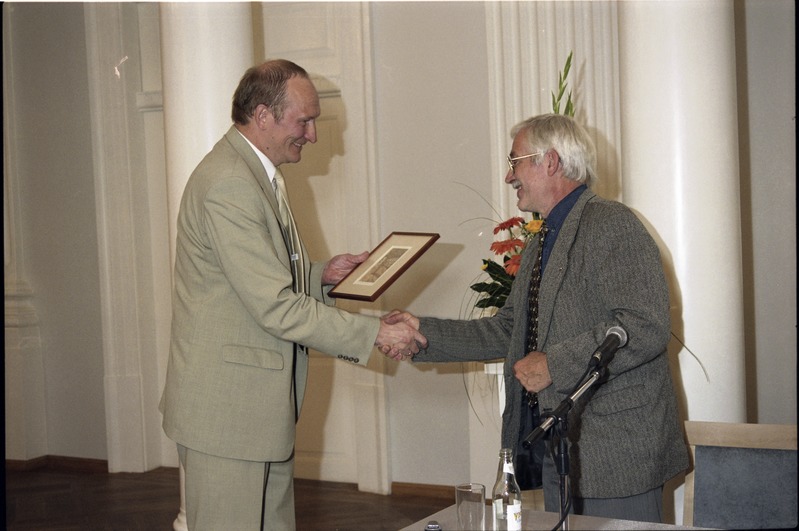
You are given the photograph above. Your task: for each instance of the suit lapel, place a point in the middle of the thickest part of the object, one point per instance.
(557, 265)
(254, 164)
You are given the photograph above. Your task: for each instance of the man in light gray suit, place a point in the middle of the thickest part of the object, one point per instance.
(600, 269)
(247, 305)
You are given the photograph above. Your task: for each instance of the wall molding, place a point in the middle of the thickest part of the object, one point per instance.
(150, 101)
(58, 463)
(19, 309)
(124, 245)
(443, 492)
(25, 410)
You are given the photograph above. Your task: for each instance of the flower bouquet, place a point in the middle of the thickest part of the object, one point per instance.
(494, 292)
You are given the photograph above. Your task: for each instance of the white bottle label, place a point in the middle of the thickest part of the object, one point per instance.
(498, 515)
(515, 516)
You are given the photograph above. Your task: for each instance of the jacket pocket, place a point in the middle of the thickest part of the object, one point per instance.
(619, 400)
(254, 357)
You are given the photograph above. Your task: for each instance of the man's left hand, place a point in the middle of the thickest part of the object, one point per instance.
(340, 266)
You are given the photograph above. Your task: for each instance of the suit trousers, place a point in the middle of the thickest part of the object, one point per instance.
(226, 494)
(644, 507)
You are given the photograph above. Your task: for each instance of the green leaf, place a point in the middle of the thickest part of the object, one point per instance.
(496, 271)
(484, 287)
(492, 302)
(569, 110)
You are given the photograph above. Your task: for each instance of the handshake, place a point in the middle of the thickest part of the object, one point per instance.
(399, 336)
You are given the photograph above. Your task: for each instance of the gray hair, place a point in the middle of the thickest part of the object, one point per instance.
(571, 141)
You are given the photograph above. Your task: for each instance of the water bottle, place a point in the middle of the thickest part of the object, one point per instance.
(507, 496)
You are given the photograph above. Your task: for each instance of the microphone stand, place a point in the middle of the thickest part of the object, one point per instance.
(559, 419)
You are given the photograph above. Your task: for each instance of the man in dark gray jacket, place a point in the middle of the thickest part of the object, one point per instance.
(600, 269)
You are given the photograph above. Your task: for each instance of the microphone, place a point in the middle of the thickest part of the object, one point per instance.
(615, 338)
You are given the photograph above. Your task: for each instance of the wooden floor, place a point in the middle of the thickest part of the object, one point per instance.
(48, 500)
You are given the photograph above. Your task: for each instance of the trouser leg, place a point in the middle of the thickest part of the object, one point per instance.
(644, 507)
(279, 497)
(222, 493)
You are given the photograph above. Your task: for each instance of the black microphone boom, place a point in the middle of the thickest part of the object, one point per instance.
(615, 338)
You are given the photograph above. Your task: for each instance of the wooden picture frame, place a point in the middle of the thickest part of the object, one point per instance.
(385, 264)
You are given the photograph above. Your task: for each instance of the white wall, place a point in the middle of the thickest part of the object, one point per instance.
(767, 117)
(59, 245)
(433, 133)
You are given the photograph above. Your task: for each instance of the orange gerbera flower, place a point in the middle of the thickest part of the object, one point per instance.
(506, 246)
(512, 265)
(508, 224)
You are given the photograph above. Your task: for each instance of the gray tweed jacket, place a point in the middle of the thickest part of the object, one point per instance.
(604, 270)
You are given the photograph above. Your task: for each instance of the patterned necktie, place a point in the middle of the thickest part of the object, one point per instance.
(295, 246)
(535, 286)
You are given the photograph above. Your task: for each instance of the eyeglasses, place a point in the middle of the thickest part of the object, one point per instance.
(513, 161)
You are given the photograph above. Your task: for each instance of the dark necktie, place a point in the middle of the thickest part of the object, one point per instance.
(535, 286)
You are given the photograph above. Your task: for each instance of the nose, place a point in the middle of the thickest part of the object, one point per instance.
(310, 132)
(509, 177)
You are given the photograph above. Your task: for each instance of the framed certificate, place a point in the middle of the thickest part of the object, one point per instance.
(385, 264)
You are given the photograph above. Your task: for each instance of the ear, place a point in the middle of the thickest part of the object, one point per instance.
(262, 116)
(553, 161)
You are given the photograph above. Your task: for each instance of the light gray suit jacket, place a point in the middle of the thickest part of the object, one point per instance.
(232, 372)
(604, 271)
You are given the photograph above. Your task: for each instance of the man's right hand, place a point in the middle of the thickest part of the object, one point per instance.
(399, 337)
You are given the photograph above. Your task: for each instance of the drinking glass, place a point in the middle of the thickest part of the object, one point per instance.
(470, 504)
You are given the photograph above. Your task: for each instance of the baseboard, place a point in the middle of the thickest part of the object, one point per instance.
(428, 491)
(60, 464)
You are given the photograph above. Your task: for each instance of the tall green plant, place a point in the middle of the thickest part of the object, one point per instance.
(562, 75)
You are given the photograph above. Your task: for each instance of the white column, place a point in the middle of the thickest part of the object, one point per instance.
(679, 159)
(205, 49)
